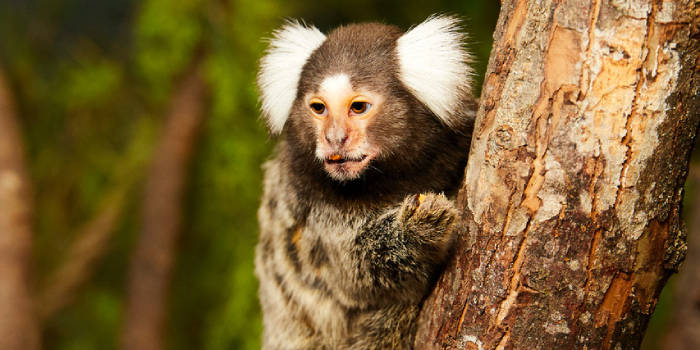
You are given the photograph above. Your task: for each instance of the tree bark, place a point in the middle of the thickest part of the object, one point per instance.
(152, 262)
(571, 199)
(18, 326)
(684, 328)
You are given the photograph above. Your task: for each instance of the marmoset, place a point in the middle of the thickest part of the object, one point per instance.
(355, 219)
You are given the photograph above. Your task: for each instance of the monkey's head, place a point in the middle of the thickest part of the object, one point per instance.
(366, 95)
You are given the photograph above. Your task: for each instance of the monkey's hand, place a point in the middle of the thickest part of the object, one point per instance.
(399, 251)
(430, 216)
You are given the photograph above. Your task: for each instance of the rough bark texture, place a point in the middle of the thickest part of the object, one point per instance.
(684, 328)
(152, 262)
(18, 327)
(573, 188)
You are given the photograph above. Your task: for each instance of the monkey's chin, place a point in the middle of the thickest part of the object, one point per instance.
(346, 169)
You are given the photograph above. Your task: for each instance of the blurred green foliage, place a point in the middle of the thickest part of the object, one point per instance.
(93, 78)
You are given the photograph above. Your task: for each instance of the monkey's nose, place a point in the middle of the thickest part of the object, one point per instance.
(336, 137)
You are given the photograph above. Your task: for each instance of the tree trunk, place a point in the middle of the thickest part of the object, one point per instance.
(684, 328)
(18, 327)
(152, 262)
(571, 200)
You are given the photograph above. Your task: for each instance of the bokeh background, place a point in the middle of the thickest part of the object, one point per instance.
(96, 83)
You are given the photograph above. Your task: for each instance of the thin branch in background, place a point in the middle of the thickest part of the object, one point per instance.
(92, 241)
(152, 262)
(79, 264)
(18, 326)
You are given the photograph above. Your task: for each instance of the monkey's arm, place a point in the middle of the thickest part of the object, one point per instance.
(399, 250)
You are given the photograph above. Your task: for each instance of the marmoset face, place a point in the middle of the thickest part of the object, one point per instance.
(341, 116)
(365, 96)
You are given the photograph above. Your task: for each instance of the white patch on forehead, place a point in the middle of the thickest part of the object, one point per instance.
(335, 84)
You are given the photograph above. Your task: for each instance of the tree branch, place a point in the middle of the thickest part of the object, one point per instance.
(92, 241)
(152, 262)
(79, 264)
(18, 327)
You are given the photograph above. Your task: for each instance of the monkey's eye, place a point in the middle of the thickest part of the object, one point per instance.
(318, 107)
(359, 108)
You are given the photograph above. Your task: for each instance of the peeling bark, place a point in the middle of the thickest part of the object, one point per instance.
(572, 192)
(18, 326)
(152, 262)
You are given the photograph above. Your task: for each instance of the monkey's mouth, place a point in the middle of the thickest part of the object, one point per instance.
(344, 168)
(338, 159)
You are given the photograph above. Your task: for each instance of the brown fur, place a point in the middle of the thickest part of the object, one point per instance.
(345, 264)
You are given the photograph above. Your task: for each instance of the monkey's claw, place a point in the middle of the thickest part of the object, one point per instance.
(428, 210)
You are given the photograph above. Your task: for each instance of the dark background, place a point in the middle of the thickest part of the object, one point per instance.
(92, 81)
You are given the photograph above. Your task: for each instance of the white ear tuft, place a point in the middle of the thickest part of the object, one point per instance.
(280, 69)
(434, 65)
